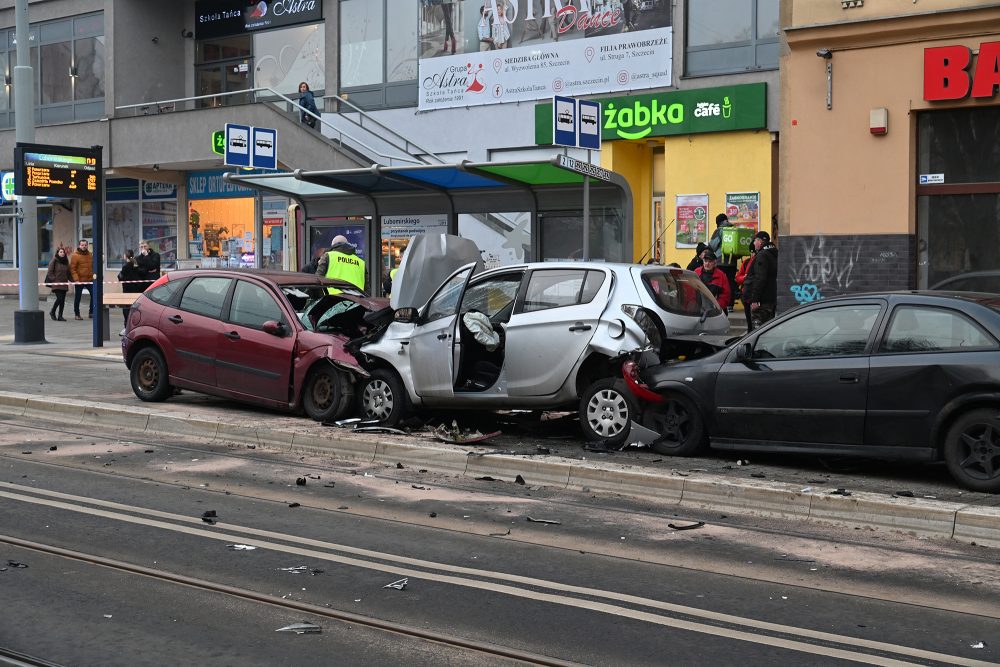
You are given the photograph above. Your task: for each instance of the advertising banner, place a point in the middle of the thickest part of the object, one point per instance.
(692, 220)
(743, 209)
(487, 51)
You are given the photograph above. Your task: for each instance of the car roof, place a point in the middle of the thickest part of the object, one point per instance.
(617, 267)
(922, 296)
(276, 277)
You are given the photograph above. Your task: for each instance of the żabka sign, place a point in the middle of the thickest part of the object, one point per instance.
(949, 75)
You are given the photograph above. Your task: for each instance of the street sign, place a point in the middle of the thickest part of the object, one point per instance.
(237, 145)
(265, 148)
(42, 170)
(219, 142)
(564, 121)
(585, 168)
(590, 124)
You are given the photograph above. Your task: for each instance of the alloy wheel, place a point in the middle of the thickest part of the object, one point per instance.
(981, 456)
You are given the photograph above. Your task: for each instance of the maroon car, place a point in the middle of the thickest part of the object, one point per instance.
(272, 338)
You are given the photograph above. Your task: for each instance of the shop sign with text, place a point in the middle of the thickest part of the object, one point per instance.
(517, 50)
(221, 18)
(742, 107)
(949, 73)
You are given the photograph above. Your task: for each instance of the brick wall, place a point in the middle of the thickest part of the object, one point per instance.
(814, 267)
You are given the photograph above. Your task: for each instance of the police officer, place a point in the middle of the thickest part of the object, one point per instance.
(342, 263)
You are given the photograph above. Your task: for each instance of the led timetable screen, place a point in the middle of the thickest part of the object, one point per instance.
(56, 171)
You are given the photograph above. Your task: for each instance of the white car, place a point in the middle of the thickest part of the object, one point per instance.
(553, 339)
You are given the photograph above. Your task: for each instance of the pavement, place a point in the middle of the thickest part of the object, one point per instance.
(67, 381)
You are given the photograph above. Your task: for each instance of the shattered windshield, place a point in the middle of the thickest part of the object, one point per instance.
(319, 311)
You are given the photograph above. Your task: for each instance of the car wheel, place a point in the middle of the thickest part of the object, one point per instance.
(606, 412)
(327, 394)
(149, 376)
(681, 429)
(383, 398)
(972, 450)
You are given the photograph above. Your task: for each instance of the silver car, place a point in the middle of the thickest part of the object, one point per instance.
(532, 336)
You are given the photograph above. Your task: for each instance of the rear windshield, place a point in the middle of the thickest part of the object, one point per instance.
(680, 293)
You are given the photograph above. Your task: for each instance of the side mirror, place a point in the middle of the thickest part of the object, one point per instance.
(405, 315)
(274, 328)
(744, 352)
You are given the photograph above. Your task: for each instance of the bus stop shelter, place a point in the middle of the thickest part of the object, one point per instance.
(541, 203)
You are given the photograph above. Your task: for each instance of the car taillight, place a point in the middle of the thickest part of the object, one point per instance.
(630, 371)
(641, 317)
(162, 280)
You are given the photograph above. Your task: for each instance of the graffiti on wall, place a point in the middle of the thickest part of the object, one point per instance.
(819, 267)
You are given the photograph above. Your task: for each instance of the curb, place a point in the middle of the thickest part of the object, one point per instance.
(918, 516)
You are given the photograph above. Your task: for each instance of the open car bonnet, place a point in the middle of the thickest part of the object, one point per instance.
(428, 261)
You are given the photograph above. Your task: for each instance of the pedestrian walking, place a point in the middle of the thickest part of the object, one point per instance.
(81, 270)
(57, 279)
(131, 278)
(148, 263)
(308, 103)
(342, 263)
(715, 280)
(764, 279)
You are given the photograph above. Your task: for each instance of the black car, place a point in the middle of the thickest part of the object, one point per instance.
(893, 376)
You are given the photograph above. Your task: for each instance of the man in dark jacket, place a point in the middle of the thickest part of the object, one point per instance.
(148, 262)
(763, 280)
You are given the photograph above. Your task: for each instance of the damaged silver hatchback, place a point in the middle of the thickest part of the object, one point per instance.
(531, 336)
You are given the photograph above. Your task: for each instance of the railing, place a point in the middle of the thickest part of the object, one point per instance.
(363, 116)
(289, 107)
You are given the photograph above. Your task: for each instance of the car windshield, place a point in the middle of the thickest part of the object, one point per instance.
(680, 293)
(319, 311)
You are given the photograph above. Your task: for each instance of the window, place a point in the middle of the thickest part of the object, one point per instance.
(835, 331)
(915, 329)
(285, 58)
(165, 293)
(445, 302)
(223, 66)
(205, 296)
(556, 288)
(680, 293)
(731, 36)
(378, 51)
(252, 306)
(492, 296)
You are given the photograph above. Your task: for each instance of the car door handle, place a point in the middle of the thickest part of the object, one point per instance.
(443, 336)
(580, 326)
(176, 319)
(849, 378)
(232, 335)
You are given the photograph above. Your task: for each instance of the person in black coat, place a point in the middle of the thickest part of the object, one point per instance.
(148, 262)
(698, 261)
(308, 103)
(763, 279)
(131, 277)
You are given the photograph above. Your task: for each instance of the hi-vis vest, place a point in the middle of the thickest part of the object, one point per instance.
(349, 268)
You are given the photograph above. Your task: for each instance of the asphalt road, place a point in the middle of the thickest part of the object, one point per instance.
(607, 582)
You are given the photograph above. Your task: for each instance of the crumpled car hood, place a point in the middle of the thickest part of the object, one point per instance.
(428, 261)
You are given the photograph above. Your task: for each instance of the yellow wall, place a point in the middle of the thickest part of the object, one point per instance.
(712, 164)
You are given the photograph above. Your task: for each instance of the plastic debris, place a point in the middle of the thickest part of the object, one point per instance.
(208, 514)
(690, 526)
(53, 448)
(432, 514)
(347, 422)
(519, 480)
(148, 451)
(903, 494)
(15, 564)
(301, 569)
(978, 645)
(485, 478)
(108, 616)
(548, 521)
(379, 429)
(300, 481)
(542, 450)
(343, 507)
(399, 466)
(795, 560)
(418, 487)
(294, 505)
(840, 492)
(491, 452)
(455, 436)
(301, 629)
(209, 520)
(806, 489)
(398, 585)
(500, 534)
(240, 547)
(758, 475)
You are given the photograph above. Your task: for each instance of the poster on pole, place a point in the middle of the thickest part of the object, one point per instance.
(743, 209)
(692, 220)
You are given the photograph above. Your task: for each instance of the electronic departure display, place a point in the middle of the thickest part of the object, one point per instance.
(57, 171)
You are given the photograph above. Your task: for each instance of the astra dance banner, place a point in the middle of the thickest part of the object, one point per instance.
(475, 52)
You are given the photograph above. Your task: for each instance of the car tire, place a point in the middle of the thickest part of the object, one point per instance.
(972, 450)
(148, 375)
(382, 397)
(606, 412)
(327, 394)
(680, 425)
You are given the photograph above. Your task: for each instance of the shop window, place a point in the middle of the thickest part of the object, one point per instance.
(223, 66)
(378, 52)
(6, 236)
(285, 58)
(222, 232)
(731, 36)
(138, 211)
(275, 215)
(958, 221)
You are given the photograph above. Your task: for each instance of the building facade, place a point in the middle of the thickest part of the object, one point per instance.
(890, 164)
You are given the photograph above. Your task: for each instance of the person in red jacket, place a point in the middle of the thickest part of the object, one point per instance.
(716, 281)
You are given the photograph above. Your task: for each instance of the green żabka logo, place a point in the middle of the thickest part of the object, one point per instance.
(638, 120)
